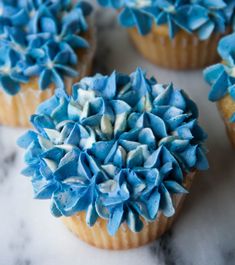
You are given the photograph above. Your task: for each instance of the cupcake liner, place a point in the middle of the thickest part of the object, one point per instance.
(184, 51)
(226, 107)
(16, 110)
(124, 238)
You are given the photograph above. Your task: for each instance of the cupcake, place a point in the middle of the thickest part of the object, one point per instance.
(44, 45)
(176, 34)
(221, 77)
(116, 158)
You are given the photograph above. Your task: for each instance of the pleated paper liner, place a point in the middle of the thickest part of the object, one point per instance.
(16, 110)
(184, 52)
(124, 238)
(226, 107)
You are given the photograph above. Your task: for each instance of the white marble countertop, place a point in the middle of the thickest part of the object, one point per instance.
(203, 235)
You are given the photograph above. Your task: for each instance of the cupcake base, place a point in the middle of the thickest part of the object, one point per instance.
(16, 110)
(226, 107)
(124, 238)
(184, 52)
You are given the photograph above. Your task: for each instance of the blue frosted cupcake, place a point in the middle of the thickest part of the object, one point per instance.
(115, 158)
(44, 44)
(177, 34)
(221, 77)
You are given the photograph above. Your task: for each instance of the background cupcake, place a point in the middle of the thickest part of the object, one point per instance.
(43, 45)
(116, 158)
(221, 77)
(176, 34)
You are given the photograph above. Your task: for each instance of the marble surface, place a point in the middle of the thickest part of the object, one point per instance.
(203, 235)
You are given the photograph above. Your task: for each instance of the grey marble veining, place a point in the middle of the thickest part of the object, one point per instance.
(205, 231)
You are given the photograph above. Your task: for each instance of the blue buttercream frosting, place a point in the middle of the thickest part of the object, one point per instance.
(202, 17)
(221, 76)
(40, 38)
(117, 148)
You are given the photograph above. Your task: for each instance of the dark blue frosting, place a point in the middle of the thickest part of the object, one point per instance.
(221, 76)
(200, 16)
(40, 38)
(117, 148)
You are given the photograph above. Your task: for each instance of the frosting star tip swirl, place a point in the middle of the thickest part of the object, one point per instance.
(221, 76)
(40, 38)
(118, 148)
(201, 16)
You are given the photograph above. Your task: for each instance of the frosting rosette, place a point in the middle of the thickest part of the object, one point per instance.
(202, 17)
(40, 38)
(117, 148)
(221, 76)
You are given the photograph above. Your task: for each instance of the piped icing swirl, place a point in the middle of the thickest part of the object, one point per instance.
(117, 148)
(221, 76)
(202, 17)
(40, 38)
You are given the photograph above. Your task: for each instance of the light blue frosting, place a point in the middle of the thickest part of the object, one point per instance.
(202, 17)
(117, 148)
(221, 76)
(40, 38)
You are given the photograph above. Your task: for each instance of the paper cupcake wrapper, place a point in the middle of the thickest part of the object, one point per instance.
(184, 51)
(230, 129)
(226, 107)
(124, 238)
(16, 110)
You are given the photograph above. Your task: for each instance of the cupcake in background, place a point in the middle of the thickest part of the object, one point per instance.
(44, 45)
(221, 77)
(115, 158)
(176, 34)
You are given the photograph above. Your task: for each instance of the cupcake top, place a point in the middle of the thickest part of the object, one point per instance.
(221, 76)
(117, 148)
(202, 17)
(39, 38)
